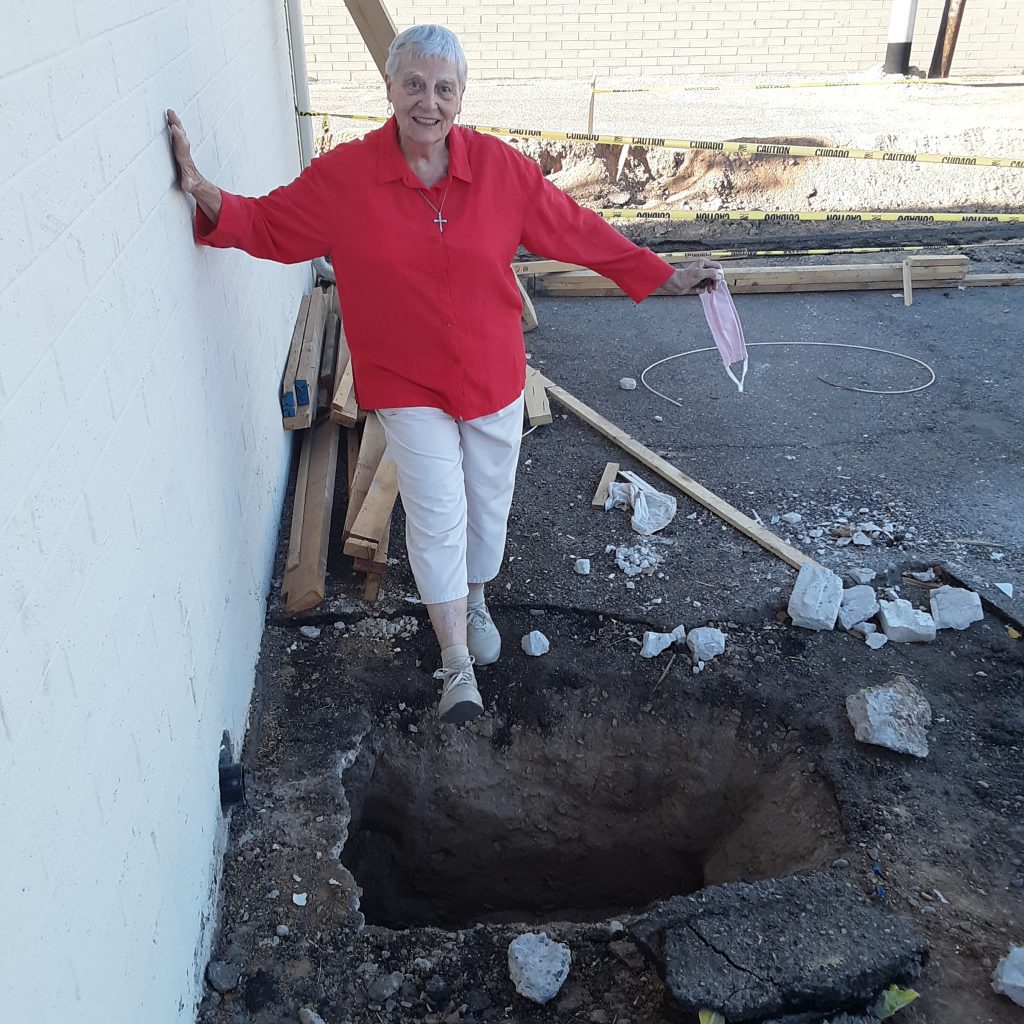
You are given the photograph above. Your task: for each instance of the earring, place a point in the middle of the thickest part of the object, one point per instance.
(391, 108)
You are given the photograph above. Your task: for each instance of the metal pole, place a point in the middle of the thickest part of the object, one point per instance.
(901, 35)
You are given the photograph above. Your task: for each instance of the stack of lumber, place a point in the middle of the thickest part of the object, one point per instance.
(318, 399)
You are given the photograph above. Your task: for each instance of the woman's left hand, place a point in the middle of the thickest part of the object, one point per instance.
(694, 278)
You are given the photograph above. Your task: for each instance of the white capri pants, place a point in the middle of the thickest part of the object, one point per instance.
(456, 478)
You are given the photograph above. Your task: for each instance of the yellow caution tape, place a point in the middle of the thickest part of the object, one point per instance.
(745, 148)
(817, 215)
(811, 85)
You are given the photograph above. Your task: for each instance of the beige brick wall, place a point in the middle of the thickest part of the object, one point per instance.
(575, 39)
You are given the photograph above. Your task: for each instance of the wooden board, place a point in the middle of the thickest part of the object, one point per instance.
(611, 471)
(371, 450)
(375, 26)
(768, 540)
(529, 317)
(538, 408)
(344, 407)
(305, 575)
(288, 404)
(377, 568)
(352, 452)
(308, 368)
(364, 537)
(908, 283)
(992, 280)
(329, 359)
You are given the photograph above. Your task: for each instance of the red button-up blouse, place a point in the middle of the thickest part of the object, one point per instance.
(431, 318)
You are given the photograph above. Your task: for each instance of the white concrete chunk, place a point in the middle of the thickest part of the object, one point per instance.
(1006, 588)
(863, 628)
(858, 605)
(1008, 979)
(894, 716)
(535, 643)
(679, 634)
(538, 966)
(792, 518)
(627, 384)
(875, 641)
(955, 608)
(904, 624)
(705, 642)
(861, 575)
(655, 643)
(861, 539)
(583, 566)
(817, 594)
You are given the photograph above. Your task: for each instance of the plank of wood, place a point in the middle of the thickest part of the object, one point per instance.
(992, 280)
(305, 579)
(288, 404)
(768, 540)
(329, 359)
(529, 317)
(352, 453)
(377, 568)
(908, 283)
(308, 368)
(371, 450)
(370, 524)
(538, 408)
(298, 505)
(611, 471)
(375, 26)
(344, 407)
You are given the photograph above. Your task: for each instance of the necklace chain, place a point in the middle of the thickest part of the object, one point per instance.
(439, 220)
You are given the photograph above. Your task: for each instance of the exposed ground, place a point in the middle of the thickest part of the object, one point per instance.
(597, 781)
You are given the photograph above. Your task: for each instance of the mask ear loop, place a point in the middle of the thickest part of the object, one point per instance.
(743, 376)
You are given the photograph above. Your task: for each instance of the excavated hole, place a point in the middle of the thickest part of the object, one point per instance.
(588, 823)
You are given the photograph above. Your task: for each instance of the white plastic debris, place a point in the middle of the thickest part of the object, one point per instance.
(904, 624)
(655, 643)
(1006, 588)
(792, 518)
(310, 632)
(583, 566)
(538, 966)
(1008, 978)
(817, 594)
(652, 510)
(894, 716)
(861, 575)
(627, 384)
(955, 608)
(705, 643)
(858, 605)
(875, 641)
(535, 643)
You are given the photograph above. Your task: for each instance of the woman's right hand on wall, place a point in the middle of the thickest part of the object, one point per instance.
(188, 177)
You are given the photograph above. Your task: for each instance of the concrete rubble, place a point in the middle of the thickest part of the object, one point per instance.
(860, 576)
(655, 643)
(538, 966)
(583, 566)
(876, 641)
(627, 384)
(858, 605)
(535, 643)
(905, 624)
(955, 608)
(817, 595)
(637, 559)
(895, 716)
(730, 948)
(705, 643)
(1008, 978)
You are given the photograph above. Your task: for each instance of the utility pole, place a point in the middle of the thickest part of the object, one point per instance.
(945, 43)
(901, 35)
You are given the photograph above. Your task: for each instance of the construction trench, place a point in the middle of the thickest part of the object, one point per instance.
(696, 836)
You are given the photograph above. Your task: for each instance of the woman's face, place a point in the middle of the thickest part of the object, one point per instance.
(427, 98)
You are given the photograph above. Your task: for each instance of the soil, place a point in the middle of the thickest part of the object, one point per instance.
(401, 857)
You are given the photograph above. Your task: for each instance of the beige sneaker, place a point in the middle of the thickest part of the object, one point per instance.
(482, 636)
(460, 699)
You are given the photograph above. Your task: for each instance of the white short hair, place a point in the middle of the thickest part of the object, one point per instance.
(427, 41)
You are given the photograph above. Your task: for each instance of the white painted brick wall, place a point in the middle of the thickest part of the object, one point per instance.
(531, 39)
(143, 472)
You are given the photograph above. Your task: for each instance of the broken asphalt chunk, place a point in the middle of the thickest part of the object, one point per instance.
(538, 966)
(733, 948)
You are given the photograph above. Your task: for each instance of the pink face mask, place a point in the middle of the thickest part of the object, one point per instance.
(726, 328)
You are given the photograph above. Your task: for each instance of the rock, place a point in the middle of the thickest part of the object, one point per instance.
(627, 384)
(538, 966)
(282, 931)
(311, 632)
(535, 643)
(423, 966)
(792, 518)
(1008, 979)
(626, 952)
(923, 577)
(223, 977)
(876, 641)
(299, 899)
(894, 716)
(955, 608)
(861, 539)
(705, 643)
(858, 605)
(655, 643)
(1006, 588)
(730, 947)
(381, 989)
(903, 623)
(817, 594)
(583, 566)
(862, 575)
(863, 628)
(679, 634)
(308, 1016)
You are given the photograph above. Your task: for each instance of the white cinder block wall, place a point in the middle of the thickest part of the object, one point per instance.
(143, 468)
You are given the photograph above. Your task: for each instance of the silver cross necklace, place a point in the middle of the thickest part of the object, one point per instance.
(439, 220)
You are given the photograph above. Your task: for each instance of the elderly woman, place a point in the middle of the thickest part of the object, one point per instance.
(421, 219)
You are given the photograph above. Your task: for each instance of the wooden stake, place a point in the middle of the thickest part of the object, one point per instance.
(908, 283)
(611, 471)
(538, 408)
(529, 317)
(768, 540)
(590, 108)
